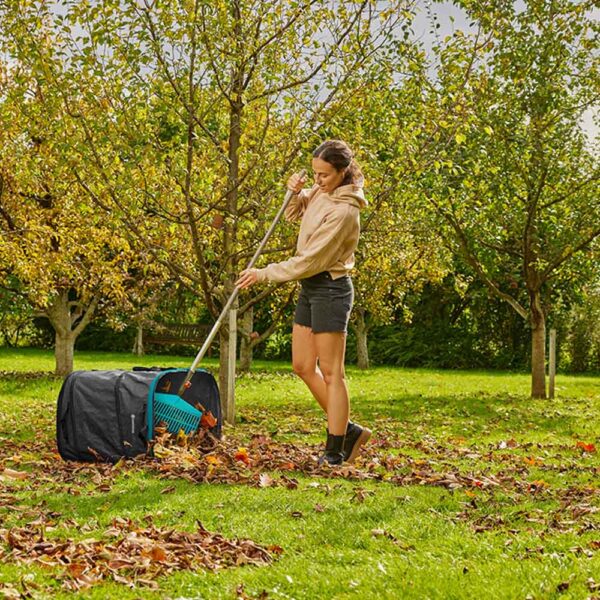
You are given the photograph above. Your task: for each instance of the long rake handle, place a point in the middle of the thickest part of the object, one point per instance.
(234, 294)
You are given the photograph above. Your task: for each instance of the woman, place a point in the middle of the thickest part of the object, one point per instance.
(325, 255)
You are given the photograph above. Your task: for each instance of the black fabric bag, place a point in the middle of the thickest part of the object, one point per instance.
(102, 415)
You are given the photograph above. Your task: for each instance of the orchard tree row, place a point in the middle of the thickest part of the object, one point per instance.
(144, 146)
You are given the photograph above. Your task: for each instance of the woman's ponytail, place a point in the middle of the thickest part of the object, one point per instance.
(354, 174)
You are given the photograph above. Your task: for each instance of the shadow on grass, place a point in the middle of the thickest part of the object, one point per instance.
(8, 376)
(452, 414)
(487, 413)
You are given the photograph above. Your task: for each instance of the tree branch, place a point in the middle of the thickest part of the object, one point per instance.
(256, 299)
(89, 313)
(274, 320)
(560, 260)
(319, 67)
(572, 190)
(472, 260)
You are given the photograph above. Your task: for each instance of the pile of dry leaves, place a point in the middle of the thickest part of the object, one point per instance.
(128, 553)
(201, 458)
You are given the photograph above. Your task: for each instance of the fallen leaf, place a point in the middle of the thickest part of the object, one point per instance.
(9, 592)
(360, 494)
(592, 585)
(158, 554)
(265, 480)
(242, 455)
(539, 484)
(287, 466)
(12, 474)
(182, 439)
(148, 583)
(76, 570)
(586, 447)
(289, 482)
(87, 562)
(207, 421)
(378, 532)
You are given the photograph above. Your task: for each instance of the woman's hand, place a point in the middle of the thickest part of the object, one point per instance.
(296, 183)
(247, 278)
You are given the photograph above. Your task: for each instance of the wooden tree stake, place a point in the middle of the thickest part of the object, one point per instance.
(230, 412)
(552, 361)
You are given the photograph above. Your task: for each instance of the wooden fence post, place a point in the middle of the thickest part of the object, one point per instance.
(230, 416)
(552, 361)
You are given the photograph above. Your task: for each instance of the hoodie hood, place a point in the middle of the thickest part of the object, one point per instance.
(350, 194)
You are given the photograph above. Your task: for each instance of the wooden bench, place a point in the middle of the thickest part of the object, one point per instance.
(179, 333)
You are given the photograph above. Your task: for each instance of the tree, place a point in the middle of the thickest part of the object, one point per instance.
(518, 189)
(56, 253)
(190, 116)
(398, 252)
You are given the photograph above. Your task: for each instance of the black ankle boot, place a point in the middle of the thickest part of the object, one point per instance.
(333, 454)
(356, 436)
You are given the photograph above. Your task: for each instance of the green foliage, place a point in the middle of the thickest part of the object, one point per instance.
(42, 334)
(516, 179)
(452, 328)
(278, 346)
(68, 259)
(98, 337)
(146, 139)
(581, 327)
(15, 314)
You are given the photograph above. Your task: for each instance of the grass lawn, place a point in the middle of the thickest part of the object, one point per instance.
(468, 490)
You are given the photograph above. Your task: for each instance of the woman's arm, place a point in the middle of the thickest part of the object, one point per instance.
(297, 205)
(323, 249)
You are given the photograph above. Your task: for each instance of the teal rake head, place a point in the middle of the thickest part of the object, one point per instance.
(176, 413)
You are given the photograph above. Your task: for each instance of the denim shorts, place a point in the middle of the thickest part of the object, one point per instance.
(324, 304)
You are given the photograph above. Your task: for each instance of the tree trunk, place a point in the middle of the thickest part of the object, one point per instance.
(64, 346)
(69, 318)
(538, 347)
(362, 349)
(138, 345)
(230, 226)
(246, 325)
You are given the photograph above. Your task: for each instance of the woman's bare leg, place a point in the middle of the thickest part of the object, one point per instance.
(330, 349)
(304, 363)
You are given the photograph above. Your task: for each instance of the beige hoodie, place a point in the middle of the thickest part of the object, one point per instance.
(328, 234)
